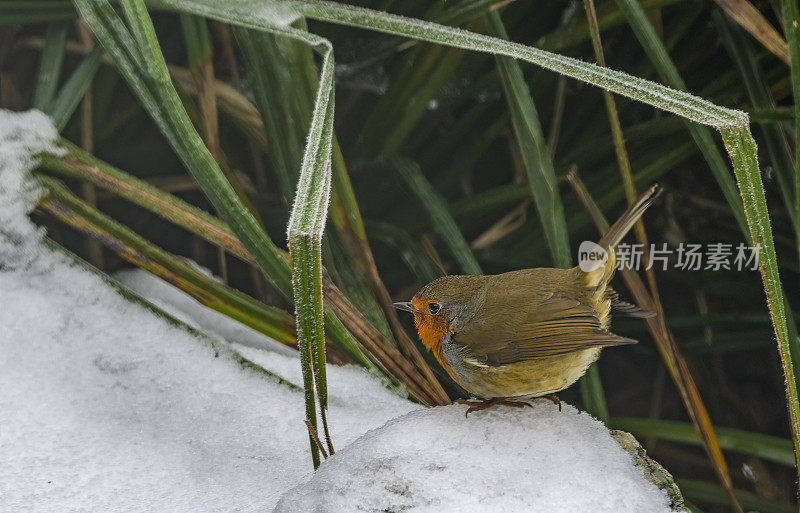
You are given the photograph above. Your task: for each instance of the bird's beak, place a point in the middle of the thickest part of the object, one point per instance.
(408, 307)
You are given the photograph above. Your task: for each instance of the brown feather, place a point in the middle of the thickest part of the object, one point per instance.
(625, 309)
(536, 326)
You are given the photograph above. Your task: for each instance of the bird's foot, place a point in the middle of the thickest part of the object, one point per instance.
(482, 404)
(554, 398)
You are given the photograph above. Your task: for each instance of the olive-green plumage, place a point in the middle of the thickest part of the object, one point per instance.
(526, 333)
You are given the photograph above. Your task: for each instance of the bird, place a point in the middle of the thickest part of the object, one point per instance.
(512, 337)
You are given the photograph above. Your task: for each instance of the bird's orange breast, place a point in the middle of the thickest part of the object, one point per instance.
(432, 330)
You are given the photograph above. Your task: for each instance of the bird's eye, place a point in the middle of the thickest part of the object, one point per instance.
(433, 308)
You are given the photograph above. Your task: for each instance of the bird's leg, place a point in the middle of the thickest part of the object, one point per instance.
(482, 404)
(554, 398)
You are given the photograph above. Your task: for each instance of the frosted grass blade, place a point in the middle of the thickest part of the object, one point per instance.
(744, 155)
(306, 225)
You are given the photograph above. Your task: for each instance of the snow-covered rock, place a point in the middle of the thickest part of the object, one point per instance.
(500, 459)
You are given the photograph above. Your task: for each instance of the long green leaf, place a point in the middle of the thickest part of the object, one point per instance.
(744, 154)
(74, 88)
(142, 65)
(708, 492)
(199, 47)
(50, 65)
(440, 218)
(533, 146)
(35, 11)
(770, 448)
(791, 27)
(306, 225)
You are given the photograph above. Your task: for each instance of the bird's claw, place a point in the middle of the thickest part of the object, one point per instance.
(554, 398)
(482, 404)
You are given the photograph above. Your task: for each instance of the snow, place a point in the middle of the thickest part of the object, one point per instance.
(21, 135)
(108, 407)
(183, 307)
(502, 459)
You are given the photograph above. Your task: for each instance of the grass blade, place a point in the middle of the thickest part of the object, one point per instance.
(306, 225)
(66, 207)
(50, 66)
(74, 89)
(768, 447)
(707, 492)
(744, 154)
(791, 27)
(750, 19)
(533, 146)
(443, 222)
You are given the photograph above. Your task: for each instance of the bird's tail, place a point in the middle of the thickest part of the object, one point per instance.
(602, 275)
(619, 229)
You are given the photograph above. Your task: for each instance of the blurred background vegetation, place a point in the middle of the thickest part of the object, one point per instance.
(432, 174)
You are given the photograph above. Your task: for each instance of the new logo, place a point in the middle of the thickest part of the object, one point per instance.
(591, 256)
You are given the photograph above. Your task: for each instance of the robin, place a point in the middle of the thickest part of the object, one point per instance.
(511, 337)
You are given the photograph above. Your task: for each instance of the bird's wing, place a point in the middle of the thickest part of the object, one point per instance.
(555, 326)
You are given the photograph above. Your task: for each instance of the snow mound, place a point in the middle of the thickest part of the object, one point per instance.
(107, 407)
(500, 459)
